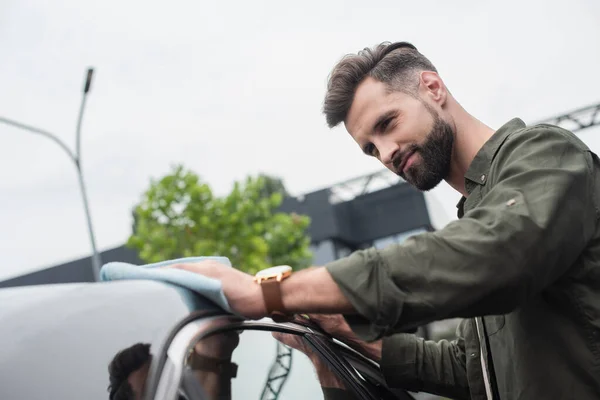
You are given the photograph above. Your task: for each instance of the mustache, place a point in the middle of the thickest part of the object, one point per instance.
(401, 157)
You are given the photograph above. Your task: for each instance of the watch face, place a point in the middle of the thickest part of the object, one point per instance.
(273, 271)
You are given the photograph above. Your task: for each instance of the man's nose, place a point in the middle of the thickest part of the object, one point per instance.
(387, 151)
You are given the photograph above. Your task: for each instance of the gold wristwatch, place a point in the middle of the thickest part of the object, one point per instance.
(270, 281)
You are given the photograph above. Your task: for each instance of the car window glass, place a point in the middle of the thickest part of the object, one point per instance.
(266, 369)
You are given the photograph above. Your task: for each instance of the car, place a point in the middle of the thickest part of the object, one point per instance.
(75, 341)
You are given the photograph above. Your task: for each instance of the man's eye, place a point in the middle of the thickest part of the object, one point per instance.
(370, 149)
(384, 125)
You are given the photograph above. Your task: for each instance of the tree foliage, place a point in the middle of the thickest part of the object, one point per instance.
(179, 216)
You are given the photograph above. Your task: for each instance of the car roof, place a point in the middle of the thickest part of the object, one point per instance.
(58, 340)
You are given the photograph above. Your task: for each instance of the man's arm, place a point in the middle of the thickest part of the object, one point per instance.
(523, 235)
(407, 362)
(412, 363)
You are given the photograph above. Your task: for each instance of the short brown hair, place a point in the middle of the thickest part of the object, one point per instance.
(390, 63)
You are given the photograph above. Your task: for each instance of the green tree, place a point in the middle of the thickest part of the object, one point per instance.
(179, 216)
(272, 185)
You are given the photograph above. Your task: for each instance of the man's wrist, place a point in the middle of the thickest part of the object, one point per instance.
(370, 350)
(248, 302)
(326, 377)
(258, 302)
(313, 290)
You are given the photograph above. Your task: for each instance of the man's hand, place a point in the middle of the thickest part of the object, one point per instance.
(336, 326)
(326, 377)
(311, 290)
(243, 294)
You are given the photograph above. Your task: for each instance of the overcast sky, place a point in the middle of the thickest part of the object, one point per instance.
(230, 90)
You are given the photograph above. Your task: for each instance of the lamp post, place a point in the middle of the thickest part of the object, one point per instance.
(76, 159)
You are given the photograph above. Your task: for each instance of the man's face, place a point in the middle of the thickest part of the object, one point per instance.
(405, 133)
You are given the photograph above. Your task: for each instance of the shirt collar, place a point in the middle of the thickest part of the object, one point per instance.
(477, 174)
(480, 166)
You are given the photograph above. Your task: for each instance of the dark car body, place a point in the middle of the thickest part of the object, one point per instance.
(58, 340)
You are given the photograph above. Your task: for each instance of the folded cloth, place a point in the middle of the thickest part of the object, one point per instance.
(203, 286)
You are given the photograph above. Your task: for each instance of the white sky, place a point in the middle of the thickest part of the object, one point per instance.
(233, 90)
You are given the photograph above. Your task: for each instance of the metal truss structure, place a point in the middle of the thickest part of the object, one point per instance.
(577, 120)
(278, 373)
(348, 190)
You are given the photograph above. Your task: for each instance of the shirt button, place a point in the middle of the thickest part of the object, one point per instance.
(473, 355)
(482, 178)
(511, 202)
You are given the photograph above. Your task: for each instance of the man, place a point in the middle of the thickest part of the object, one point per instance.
(521, 265)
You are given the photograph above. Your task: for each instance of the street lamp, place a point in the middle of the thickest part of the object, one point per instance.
(76, 159)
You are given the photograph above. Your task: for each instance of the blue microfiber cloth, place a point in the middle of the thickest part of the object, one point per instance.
(187, 282)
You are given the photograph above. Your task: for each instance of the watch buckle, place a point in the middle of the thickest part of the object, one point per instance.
(260, 279)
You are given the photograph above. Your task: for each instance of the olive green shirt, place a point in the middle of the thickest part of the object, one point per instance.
(524, 254)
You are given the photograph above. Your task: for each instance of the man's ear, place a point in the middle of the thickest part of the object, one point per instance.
(432, 86)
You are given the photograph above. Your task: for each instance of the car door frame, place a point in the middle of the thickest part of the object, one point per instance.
(166, 374)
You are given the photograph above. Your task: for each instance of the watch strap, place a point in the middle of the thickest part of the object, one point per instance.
(225, 368)
(271, 290)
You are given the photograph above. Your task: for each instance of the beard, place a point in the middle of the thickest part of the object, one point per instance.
(436, 155)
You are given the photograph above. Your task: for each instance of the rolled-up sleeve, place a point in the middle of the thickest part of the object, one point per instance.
(413, 363)
(523, 233)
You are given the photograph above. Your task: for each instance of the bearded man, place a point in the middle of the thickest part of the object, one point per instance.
(521, 265)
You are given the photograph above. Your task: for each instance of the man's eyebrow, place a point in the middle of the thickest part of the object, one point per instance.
(382, 118)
